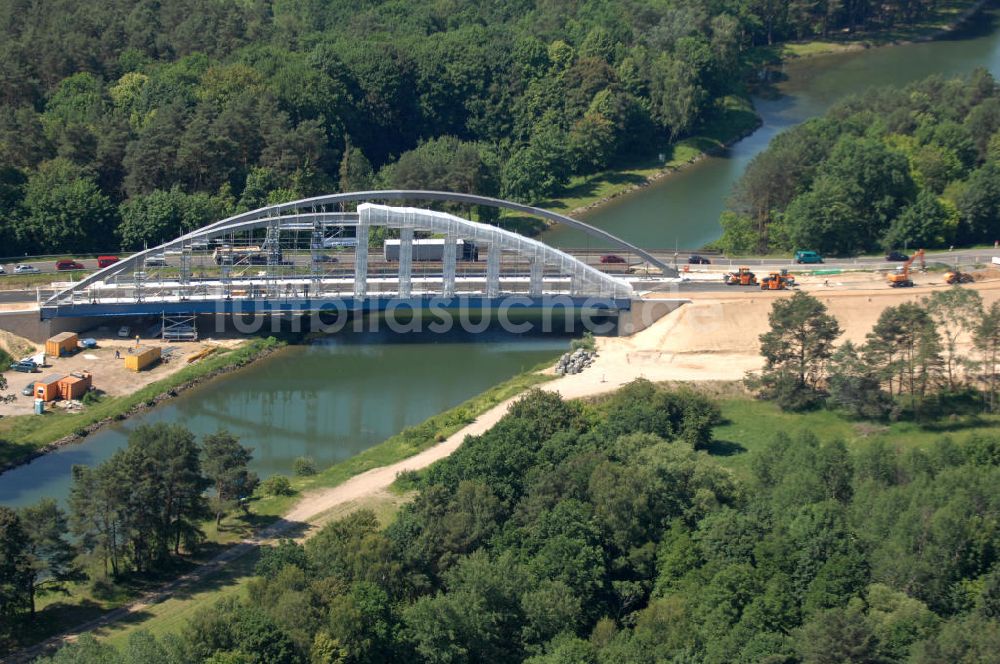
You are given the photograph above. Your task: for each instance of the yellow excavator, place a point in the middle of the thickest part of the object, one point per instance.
(901, 277)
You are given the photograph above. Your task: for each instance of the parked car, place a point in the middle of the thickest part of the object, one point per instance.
(695, 259)
(612, 258)
(124, 332)
(26, 269)
(808, 257)
(896, 256)
(24, 366)
(68, 264)
(157, 260)
(104, 261)
(2, 271)
(29, 389)
(324, 258)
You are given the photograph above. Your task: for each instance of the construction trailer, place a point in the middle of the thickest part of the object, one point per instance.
(75, 385)
(142, 358)
(64, 343)
(47, 389)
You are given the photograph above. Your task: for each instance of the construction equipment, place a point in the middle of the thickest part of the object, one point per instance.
(956, 276)
(742, 277)
(777, 281)
(901, 277)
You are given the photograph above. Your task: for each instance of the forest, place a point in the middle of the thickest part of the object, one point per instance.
(128, 121)
(612, 532)
(895, 168)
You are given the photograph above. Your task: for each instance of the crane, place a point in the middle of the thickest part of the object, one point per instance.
(901, 277)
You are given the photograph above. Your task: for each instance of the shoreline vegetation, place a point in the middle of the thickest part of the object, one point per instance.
(27, 437)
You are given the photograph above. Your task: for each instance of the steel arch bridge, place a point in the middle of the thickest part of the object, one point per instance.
(277, 260)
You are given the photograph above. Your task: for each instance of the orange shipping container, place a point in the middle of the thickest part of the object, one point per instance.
(64, 343)
(142, 357)
(74, 386)
(47, 389)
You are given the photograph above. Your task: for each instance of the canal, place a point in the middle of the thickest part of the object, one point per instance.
(327, 400)
(683, 209)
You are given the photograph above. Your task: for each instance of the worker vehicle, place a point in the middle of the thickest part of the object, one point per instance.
(104, 261)
(956, 276)
(777, 281)
(68, 264)
(26, 269)
(124, 332)
(742, 277)
(24, 366)
(695, 259)
(896, 256)
(901, 277)
(808, 257)
(611, 258)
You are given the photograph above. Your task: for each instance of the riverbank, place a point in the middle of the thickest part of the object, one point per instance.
(945, 20)
(26, 437)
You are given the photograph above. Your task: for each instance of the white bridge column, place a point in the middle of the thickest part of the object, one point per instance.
(535, 280)
(361, 256)
(493, 270)
(405, 262)
(448, 278)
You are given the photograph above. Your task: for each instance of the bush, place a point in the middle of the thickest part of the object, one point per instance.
(304, 466)
(277, 485)
(585, 342)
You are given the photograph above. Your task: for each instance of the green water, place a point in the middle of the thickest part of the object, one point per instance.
(329, 400)
(683, 210)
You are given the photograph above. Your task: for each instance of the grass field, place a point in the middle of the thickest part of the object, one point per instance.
(22, 435)
(751, 424)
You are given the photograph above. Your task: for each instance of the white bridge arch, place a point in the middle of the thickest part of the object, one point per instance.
(277, 270)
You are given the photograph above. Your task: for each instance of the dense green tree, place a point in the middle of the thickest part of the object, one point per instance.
(163, 215)
(64, 210)
(986, 338)
(51, 555)
(16, 574)
(955, 312)
(796, 350)
(856, 386)
(905, 349)
(225, 463)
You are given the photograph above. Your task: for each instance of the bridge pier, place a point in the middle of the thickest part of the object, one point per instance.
(361, 258)
(405, 261)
